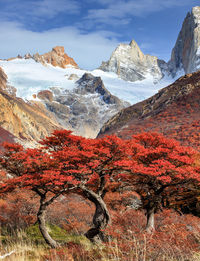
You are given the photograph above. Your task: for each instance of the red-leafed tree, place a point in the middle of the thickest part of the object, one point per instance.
(93, 167)
(160, 169)
(65, 163)
(34, 169)
(107, 151)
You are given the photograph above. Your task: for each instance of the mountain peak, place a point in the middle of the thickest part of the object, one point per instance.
(60, 50)
(56, 57)
(186, 52)
(131, 64)
(133, 44)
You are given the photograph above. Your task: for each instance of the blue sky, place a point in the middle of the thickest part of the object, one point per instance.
(90, 30)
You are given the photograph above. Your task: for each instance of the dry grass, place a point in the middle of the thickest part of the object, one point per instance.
(21, 248)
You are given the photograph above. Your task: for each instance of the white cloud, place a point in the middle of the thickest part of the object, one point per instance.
(122, 9)
(52, 7)
(34, 9)
(87, 49)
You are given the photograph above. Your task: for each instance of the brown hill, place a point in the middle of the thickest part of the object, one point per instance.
(173, 111)
(26, 121)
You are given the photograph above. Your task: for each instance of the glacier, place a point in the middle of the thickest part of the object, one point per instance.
(30, 77)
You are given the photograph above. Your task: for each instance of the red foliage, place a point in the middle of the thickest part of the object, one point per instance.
(179, 120)
(175, 237)
(159, 166)
(18, 209)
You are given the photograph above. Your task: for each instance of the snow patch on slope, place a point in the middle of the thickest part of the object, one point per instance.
(29, 77)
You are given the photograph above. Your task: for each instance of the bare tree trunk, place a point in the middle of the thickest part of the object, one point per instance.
(42, 226)
(101, 217)
(41, 217)
(150, 226)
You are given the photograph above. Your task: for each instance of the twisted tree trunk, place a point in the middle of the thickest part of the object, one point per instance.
(101, 216)
(41, 215)
(42, 226)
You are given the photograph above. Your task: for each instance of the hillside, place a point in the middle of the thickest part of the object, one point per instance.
(27, 121)
(173, 111)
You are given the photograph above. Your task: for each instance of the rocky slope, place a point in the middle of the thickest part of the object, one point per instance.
(6, 136)
(84, 109)
(130, 64)
(3, 79)
(26, 121)
(186, 52)
(174, 111)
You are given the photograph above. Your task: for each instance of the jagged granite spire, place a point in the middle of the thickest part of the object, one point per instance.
(129, 62)
(186, 52)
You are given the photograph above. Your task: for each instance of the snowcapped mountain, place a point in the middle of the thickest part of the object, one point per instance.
(69, 96)
(30, 77)
(130, 64)
(44, 92)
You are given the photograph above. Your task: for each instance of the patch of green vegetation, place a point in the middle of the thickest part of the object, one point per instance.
(55, 232)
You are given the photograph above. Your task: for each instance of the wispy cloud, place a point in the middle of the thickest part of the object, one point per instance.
(36, 9)
(87, 13)
(53, 8)
(88, 49)
(112, 11)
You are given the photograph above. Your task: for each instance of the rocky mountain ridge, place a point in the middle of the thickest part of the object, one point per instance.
(174, 111)
(82, 110)
(186, 52)
(56, 57)
(130, 64)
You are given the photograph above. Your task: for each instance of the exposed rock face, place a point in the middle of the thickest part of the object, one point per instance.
(6, 136)
(28, 122)
(57, 57)
(174, 109)
(45, 95)
(84, 109)
(3, 79)
(25, 121)
(186, 52)
(27, 56)
(88, 84)
(4, 86)
(129, 62)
